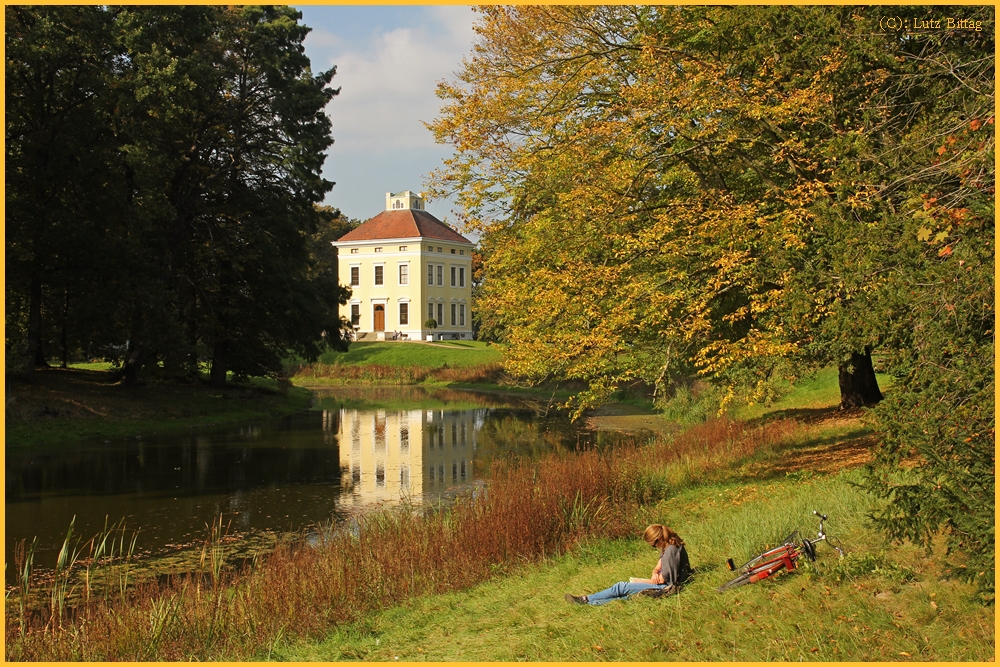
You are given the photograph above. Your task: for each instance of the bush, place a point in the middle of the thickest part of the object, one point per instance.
(935, 463)
(693, 403)
(854, 566)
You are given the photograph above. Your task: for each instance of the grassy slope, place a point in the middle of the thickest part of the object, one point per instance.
(882, 602)
(863, 608)
(434, 355)
(70, 405)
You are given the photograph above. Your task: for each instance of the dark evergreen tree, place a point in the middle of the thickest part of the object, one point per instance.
(163, 176)
(263, 299)
(936, 459)
(61, 181)
(242, 167)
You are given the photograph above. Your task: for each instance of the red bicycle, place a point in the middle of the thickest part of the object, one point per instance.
(779, 558)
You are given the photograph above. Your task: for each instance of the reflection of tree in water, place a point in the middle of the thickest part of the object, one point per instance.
(380, 432)
(409, 397)
(522, 434)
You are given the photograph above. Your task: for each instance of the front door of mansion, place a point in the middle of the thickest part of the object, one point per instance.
(379, 317)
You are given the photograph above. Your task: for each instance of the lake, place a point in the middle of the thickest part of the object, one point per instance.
(357, 449)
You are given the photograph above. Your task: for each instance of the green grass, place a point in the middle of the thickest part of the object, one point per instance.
(818, 390)
(433, 355)
(446, 363)
(92, 365)
(815, 391)
(876, 604)
(881, 602)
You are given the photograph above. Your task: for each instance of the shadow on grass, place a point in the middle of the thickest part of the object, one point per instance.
(821, 455)
(80, 376)
(806, 415)
(359, 354)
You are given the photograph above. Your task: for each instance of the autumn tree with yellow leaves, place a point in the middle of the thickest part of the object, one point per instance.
(744, 193)
(644, 180)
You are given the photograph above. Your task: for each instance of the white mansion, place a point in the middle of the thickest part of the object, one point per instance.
(404, 267)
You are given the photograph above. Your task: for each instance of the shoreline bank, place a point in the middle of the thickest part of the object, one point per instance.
(67, 406)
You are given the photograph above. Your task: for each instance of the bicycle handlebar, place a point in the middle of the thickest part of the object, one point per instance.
(821, 536)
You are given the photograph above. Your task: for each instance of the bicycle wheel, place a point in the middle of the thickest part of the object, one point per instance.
(836, 544)
(763, 557)
(763, 570)
(734, 582)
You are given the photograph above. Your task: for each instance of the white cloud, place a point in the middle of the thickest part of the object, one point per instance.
(388, 75)
(458, 22)
(321, 43)
(387, 91)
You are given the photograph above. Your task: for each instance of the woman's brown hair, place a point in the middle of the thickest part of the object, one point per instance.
(657, 533)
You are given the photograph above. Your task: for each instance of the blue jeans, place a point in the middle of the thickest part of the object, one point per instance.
(622, 589)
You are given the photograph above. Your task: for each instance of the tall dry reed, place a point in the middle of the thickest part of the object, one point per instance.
(387, 374)
(525, 512)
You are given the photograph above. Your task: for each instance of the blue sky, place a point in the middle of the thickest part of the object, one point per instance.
(389, 59)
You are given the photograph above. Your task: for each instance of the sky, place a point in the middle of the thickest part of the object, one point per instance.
(389, 60)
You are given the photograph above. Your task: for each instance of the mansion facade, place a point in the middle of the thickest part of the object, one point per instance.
(404, 267)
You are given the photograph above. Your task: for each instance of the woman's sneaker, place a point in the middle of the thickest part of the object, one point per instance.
(576, 599)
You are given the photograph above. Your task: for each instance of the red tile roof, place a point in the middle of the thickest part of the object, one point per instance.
(404, 224)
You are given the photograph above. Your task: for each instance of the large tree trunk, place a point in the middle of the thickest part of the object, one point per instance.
(40, 360)
(65, 318)
(217, 378)
(34, 350)
(135, 359)
(858, 385)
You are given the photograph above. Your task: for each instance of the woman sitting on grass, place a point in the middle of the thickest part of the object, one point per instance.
(670, 571)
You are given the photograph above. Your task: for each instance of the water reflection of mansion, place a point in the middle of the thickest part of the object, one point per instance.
(386, 455)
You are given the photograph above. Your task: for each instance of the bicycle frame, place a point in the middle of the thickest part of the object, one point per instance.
(780, 558)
